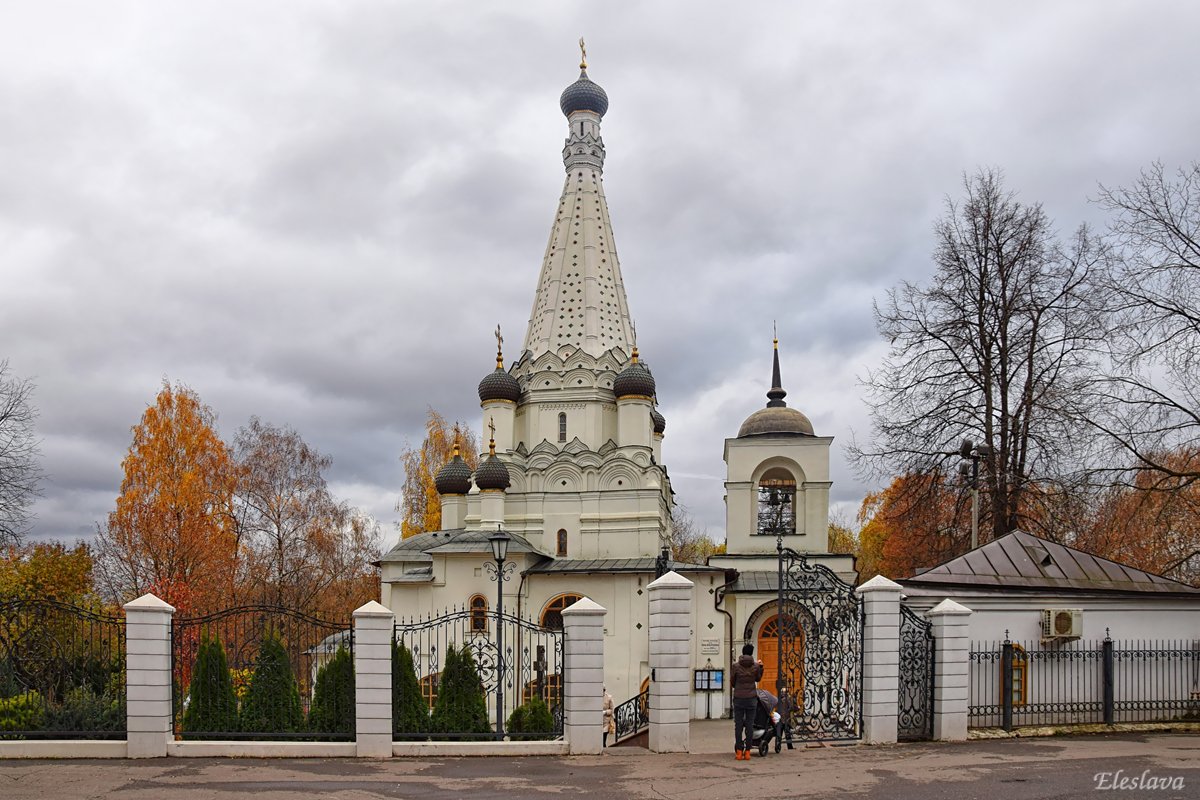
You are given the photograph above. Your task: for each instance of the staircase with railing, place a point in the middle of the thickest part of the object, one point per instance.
(632, 717)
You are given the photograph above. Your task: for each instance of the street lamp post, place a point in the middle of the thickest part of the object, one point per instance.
(500, 572)
(778, 502)
(971, 454)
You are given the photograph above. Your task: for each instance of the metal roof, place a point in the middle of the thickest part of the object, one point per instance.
(1023, 561)
(749, 581)
(615, 565)
(418, 548)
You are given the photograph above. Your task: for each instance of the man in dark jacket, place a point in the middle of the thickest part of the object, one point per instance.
(744, 678)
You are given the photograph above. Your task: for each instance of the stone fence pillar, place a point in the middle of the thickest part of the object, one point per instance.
(148, 677)
(670, 663)
(583, 662)
(881, 659)
(373, 630)
(951, 670)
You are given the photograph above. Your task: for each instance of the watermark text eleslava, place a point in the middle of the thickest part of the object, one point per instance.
(1119, 781)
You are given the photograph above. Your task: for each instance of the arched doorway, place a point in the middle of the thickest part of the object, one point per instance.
(793, 658)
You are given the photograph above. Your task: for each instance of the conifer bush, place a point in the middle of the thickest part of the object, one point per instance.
(460, 707)
(272, 702)
(410, 711)
(211, 704)
(531, 720)
(333, 698)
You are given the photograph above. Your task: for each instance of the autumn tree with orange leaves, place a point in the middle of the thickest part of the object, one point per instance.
(420, 504)
(917, 522)
(1155, 523)
(172, 530)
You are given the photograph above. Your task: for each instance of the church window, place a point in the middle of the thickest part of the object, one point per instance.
(562, 543)
(776, 503)
(552, 613)
(562, 427)
(479, 614)
(429, 688)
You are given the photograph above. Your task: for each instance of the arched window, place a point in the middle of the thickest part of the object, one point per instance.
(562, 543)
(552, 613)
(479, 614)
(562, 426)
(776, 503)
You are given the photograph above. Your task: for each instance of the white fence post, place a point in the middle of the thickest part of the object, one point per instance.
(953, 654)
(147, 677)
(374, 627)
(583, 665)
(670, 663)
(881, 659)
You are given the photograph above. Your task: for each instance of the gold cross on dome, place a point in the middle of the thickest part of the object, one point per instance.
(492, 426)
(582, 54)
(499, 339)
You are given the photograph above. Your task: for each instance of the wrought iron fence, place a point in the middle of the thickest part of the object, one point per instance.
(1044, 683)
(452, 680)
(62, 672)
(262, 672)
(914, 718)
(632, 717)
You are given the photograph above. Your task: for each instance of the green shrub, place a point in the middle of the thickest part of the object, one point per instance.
(531, 720)
(211, 704)
(333, 699)
(22, 712)
(410, 710)
(460, 707)
(272, 699)
(86, 711)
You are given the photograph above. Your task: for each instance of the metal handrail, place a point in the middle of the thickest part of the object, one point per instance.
(632, 716)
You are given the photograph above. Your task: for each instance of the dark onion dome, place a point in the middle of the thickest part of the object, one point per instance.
(776, 419)
(499, 384)
(634, 381)
(660, 422)
(454, 477)
(492, 474)
(583, 95)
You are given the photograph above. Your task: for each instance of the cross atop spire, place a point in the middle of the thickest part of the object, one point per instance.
(499, 349)
(582, 54)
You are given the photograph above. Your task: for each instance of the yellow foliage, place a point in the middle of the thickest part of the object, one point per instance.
(420, 505)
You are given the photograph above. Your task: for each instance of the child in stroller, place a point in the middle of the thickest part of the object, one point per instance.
(764, 725)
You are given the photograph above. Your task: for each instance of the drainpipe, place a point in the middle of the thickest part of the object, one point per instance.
(731, 576)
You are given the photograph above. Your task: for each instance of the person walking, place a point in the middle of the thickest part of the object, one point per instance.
(744, 676)
(610, 722)
(784, 726)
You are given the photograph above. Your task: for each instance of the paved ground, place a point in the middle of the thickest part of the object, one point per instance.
(1028, 769)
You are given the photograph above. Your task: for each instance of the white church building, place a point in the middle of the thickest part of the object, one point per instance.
(575, 473)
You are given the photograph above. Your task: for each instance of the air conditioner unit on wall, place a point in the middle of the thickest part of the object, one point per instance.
(1062, 623)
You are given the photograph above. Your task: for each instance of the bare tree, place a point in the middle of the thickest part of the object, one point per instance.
(298, 542)
(996, 348)
(1152, 392)
(687, 542)
(20, 475)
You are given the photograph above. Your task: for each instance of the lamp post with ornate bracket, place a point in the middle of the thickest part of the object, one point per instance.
(500, 572)
(778, 503)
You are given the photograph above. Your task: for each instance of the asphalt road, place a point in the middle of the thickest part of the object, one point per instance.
(1028, 769)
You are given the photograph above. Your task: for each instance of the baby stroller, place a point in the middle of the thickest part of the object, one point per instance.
(764, 727)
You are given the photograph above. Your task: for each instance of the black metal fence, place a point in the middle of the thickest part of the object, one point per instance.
(1078, 682)
(62, 672)
(457, 674)
(263, 672)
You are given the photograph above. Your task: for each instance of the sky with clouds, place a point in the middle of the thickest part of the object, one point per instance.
(317, 212)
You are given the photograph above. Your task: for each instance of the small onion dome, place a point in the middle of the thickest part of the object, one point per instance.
(499, 384)
(454, 477)
(492, 474)
(660, 422)
(583, 95)
(634, 381)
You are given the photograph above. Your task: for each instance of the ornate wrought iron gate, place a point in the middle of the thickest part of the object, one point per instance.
(915, 710)
(532, 663)
(822, 655)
